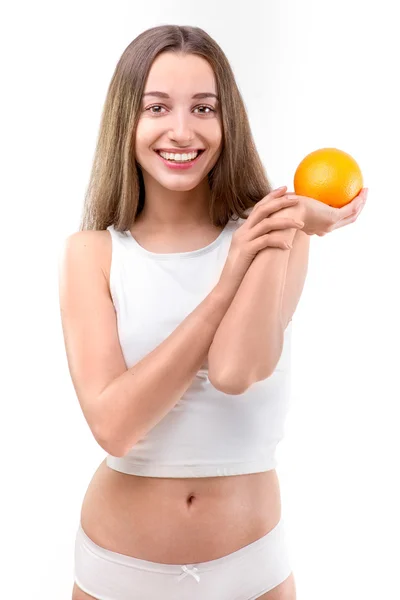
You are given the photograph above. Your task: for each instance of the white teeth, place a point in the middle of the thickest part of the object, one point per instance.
(179, 157)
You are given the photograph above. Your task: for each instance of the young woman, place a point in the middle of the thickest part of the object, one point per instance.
(176, 300)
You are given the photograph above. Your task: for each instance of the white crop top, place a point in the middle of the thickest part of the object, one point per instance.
(207, 433)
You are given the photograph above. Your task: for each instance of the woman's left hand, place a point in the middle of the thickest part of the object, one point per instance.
(320, 218)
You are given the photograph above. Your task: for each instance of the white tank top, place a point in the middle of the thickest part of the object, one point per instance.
(207, 433)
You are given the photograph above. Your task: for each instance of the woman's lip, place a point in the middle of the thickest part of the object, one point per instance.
(187, 152)
(180, 165)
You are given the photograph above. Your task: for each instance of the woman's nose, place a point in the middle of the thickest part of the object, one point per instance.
(181, 128)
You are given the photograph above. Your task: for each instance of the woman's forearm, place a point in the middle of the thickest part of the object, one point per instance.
(249, 339)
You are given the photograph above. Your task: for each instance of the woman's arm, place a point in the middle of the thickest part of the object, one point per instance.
(121, 404)
(249, 340)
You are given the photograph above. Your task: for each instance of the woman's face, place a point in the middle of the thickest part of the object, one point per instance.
(179, 122)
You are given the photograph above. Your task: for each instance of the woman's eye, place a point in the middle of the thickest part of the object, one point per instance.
(202, 106)
(155, 106)
(159, 106)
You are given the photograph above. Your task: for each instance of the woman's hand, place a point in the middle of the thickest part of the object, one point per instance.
(260, 230)
(320, 218)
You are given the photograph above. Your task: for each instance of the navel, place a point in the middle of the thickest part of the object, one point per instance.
(190, 499)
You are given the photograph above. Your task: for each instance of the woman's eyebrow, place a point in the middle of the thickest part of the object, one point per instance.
(199, 95)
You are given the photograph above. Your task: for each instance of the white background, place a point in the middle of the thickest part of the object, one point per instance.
(312, 74)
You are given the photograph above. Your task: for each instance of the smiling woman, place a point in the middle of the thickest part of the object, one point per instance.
(187, 502)
(180, 126)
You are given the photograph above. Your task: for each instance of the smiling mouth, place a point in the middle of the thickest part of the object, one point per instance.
(199, 153)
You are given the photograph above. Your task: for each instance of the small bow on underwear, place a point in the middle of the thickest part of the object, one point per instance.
(189, 570)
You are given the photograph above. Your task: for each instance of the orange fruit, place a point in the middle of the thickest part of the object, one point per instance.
(330, 176)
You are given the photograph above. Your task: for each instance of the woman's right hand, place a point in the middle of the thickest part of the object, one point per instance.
(253, 235)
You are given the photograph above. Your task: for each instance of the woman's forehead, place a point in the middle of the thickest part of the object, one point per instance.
(182, 76)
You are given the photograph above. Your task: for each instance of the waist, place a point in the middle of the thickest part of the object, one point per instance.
(206, 517)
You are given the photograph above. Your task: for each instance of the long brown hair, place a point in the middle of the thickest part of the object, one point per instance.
(115, 193)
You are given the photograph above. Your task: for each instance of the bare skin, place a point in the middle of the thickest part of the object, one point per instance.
(126, 513)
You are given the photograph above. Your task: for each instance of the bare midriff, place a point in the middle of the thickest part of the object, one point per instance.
(177, 520)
